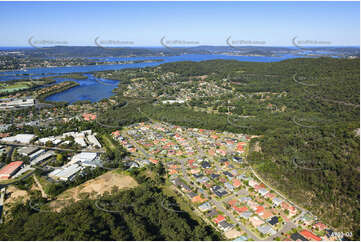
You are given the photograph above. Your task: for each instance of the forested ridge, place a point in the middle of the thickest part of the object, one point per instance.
(142, 213)
(306, 112)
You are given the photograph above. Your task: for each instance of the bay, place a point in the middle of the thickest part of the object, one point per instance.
(93, 89)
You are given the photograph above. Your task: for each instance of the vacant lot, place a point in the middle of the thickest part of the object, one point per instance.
(16, 194)
(231, 234)
(97, 186)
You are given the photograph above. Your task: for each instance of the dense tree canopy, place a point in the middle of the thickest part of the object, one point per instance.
(137, 214)
(306, 112)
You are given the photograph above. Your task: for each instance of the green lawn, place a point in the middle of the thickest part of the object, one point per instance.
(13, 88)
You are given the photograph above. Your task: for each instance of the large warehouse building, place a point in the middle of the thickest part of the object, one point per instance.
(9, 170)
(19, 138)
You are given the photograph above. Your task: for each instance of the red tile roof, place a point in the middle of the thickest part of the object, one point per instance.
(260, 209)
(219, 219)
(232, 202)
(172, 171)
(116, 133)
(198, 199)
(10, 168)
(241, 210)
(309, 235)
(236, 183)
(270, 195)
(89, 116)
(285, 205)
(266, 214)
(320, 226)
(154, 161)
(208, 171)
(260, 186)
(3, 135)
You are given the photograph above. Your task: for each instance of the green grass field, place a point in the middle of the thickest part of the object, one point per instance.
(15, 87)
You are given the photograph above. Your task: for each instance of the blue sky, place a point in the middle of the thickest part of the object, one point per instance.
(207, 23)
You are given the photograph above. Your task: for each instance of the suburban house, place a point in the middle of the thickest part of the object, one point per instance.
(219, 219)
(205, 207)
(309, 235)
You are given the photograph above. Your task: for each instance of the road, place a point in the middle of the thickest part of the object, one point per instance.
(220, 207)
(23, 170)
(276, 191)
(219, 204)
(132, 141)
(287, 227)
(303, 210)
(2, 198)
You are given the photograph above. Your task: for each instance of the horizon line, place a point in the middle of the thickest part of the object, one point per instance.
(175, 47)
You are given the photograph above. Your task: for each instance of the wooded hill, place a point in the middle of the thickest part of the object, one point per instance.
(308, 125)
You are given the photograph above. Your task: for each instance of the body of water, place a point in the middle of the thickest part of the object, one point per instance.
(93, 89)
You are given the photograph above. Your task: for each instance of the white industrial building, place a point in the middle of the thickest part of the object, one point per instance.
(19, 138)
(76, 164)
(36, 154)
(13, 103)
(82, 137)
(93, 141)
(82, 157)
(52, 139)
(173, 101)
(66, 173)
(93, 164)
(42, 157)
(73, 134)
(26, 151)
(80, 141)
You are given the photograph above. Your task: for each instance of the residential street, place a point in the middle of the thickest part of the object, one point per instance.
(199, 153)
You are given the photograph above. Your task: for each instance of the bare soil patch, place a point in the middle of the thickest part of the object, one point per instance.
(91, 188)
(257, 147)
(233, 233)
(16, 194)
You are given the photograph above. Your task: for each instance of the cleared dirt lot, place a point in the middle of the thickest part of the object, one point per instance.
(15, 195)
(232, 234)
(91, 188)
